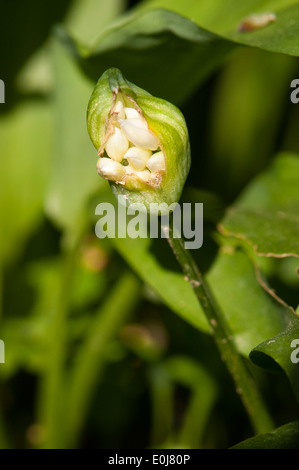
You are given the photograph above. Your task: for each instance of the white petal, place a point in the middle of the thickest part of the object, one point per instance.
(120, 110)
(139, 136)
(144, 175)
(117, 145)
(136, 164)
(131, 113)
(136, 122)
(110, 169)
(156, 162)
(137, 157)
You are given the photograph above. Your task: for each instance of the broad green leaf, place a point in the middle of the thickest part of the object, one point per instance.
(271, 232)
(173, 290)
(250, 312)
(73, 177)
(267, 213)
(160, 51)
(281, 352)
(86, 18)
(278, 185)
(25, 148)
(27, 337)
(214, 207)
(36, 77)
(286, 271)
(284, 437)
(247, 110)
(224, 17)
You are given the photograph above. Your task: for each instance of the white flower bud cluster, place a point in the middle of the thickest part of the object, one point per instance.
(131, 149)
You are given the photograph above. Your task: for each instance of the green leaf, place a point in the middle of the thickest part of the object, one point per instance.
(280, 352)
(224, 17)
(249, 310)
(284, 437)
(271, 232)
(73, 177)
(173, 290)
(147, 47)
(25, 148)
(234, 284)
(85, 19)
(242, 132)
(28, 336)
(266, 214)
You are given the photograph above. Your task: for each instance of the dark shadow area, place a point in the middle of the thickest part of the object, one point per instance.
(24, 27)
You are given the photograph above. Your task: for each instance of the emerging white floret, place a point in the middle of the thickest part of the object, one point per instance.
(110, 169)
(120, 110)
(117, 145)
(130, 146)
(137, 157)
(131, 113)
(144, 175)
(137, 132)
(156, 162)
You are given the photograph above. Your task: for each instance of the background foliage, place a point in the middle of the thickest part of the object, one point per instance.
(105, 343)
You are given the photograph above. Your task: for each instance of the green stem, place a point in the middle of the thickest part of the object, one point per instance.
(91, 359)
(162, 397)
(4, 444)
(52, 393)
(244, 382)
(1, 292)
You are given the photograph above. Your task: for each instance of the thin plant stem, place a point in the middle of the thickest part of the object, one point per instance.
(1, 291)
(162, 398)
(4, 443)
(91, 358)
(52, 391)
(245, 385)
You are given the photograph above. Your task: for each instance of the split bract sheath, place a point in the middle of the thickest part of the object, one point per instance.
(142, 142)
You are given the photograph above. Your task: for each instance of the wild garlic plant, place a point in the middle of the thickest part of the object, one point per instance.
(144, 152)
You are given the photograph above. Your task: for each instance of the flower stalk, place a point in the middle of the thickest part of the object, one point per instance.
(245, 385)
(144, 153)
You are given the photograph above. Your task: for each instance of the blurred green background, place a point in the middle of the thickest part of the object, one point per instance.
(104, 344)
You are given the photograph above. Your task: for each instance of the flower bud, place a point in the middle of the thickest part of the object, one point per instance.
(110, 169)
(131, 113)
(145, 138)
(120, 110)
(117, 145)
(138, 133)
(156, 162)
(138, 157)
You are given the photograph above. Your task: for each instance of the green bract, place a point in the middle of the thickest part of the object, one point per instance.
(142, 141)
